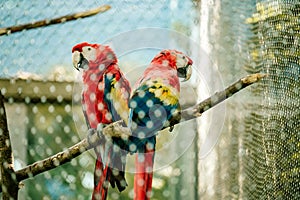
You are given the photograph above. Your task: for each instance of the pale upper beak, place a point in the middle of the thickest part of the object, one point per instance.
(78, 60)
(186, 70)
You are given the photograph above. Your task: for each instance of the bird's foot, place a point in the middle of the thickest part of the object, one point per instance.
(90, 137)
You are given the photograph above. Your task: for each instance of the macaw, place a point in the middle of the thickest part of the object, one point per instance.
(105, 99)
(154, 105)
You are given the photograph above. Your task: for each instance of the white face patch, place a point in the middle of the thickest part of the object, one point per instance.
(181, 60)
(89, 53)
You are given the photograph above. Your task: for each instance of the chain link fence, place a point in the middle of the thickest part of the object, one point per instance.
(257, 153)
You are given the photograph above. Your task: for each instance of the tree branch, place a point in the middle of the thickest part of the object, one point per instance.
(58, 20)
(9, 185)
(116, 130)
(218, 97)
(53, 161)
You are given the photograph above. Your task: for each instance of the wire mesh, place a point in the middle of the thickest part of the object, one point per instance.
(277, 30)
(256, 157)
(37, 80)
(257, 154)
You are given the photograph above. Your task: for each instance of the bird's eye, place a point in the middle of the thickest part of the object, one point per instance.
(89, 48)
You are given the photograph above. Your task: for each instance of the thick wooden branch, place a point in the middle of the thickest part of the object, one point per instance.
(53, 161)
(58, 20)
(116, 130)
(9, 184)
(218, 97)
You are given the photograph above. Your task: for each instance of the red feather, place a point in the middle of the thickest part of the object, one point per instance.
(96, 109)
(161, 75)
(144, 175)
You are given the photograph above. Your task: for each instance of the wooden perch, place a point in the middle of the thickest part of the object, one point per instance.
(47, 22)
(53, 161)
(218, 97)
(116, 130)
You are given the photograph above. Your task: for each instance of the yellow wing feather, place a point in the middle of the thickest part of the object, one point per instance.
(164, 93)
(120, 100)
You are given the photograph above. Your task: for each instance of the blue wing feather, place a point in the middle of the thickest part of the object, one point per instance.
(108, 86)
(149, 114)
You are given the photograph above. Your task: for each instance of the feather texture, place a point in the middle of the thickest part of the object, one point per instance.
(154, 104)
(105, 100)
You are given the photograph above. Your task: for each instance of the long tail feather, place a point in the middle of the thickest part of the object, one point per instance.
(111, 172)
(100, 182)
(144, 174)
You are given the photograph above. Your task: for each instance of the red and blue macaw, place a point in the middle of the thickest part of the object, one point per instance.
(154, 104)
(105, 99)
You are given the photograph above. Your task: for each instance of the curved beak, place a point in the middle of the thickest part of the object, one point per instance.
(78, 60)
(188, 73)
(185, 72)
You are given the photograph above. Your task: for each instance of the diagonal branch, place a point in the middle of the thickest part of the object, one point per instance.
(58, 20)
(116, 130)
(55, 160)
(218, 97)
